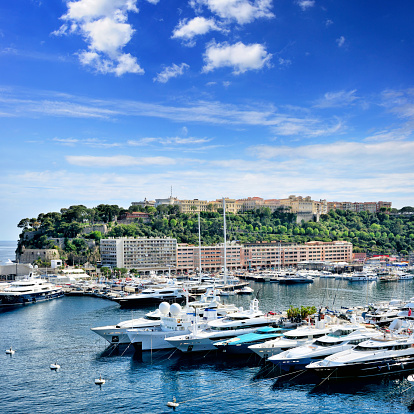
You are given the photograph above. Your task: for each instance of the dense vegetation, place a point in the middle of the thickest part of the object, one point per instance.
(384, 232)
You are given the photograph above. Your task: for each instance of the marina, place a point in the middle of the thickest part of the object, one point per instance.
(62, 360)
(145, 382)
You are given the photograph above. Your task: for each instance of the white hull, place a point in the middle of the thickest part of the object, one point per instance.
(152, 339)
(115, 335)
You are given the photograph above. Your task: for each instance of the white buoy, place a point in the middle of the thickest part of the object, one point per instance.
(173, 403)
(99, 381)
(10, 351)
(410, 378)
(54, 366)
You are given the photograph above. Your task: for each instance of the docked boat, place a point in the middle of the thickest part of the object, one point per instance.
(385, 355)
(117, 334)
(232, 325)
(362, 277)
(240, 344)
(152, 296)
(291, 339)
(176, 320)
(299, 277)
(341, 339)
(245, 290)
(28, 291)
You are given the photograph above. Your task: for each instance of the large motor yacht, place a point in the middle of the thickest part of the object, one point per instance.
(291, 339)
(385, 355)
(343, 338)
(151, 296)
(117, 334)
(30, 290)
(217, 330)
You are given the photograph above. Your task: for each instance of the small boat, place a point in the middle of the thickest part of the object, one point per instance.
(10, 351)
(99, 381)
(54, 367)
(245, 290)
(173, 403)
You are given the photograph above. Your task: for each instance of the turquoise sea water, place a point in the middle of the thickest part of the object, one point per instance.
(59, 331)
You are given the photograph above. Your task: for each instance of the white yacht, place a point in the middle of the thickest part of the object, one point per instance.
(384, 355)
(176, 320)
(30, 290)
(343, 338)
(291, 339)
(298, 277)
(232, 325)
(363, 277)
(151, 296)
(117, 334)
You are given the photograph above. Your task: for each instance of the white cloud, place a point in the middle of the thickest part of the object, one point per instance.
(285, 63)
(340, 41)
(239, 56)
(306, 4)
(337, 99)
(328, 23)
(103, 25)
(169, 141)
(117, 161)
(361, 155)
(306, 127)
(242, 11)
(188, 29)
(171, 72)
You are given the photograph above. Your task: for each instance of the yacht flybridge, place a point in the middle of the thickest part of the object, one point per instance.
(232, 325)
(385, 355)
(30, 290)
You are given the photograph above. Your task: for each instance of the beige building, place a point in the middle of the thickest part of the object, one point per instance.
(357, 207)
(261, 255)
(31, 255)
(193, 206)
(143, 254)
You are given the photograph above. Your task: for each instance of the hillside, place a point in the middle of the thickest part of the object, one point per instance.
(382, 232)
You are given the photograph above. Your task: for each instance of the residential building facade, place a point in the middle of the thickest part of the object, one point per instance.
(164, 254)
(143, 254)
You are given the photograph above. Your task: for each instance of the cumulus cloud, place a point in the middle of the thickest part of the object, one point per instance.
(103, 25)
(171, 72)
(188, 29)
(239, 56)
(242, 11)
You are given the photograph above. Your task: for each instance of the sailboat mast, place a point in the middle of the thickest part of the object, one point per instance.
(225, 239)
(199, 248)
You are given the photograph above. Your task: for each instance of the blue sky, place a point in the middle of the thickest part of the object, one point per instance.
(112, 101)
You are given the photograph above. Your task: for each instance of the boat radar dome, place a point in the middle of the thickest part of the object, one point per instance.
(164, 308)
(175, 309)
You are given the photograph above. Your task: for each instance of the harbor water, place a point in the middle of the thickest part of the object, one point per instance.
(59, 331)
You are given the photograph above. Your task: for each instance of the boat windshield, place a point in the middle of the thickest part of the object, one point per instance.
(326, 344)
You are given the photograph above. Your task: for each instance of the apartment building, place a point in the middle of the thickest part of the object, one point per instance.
(193, 206)
(357, 207)
(143, 254)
